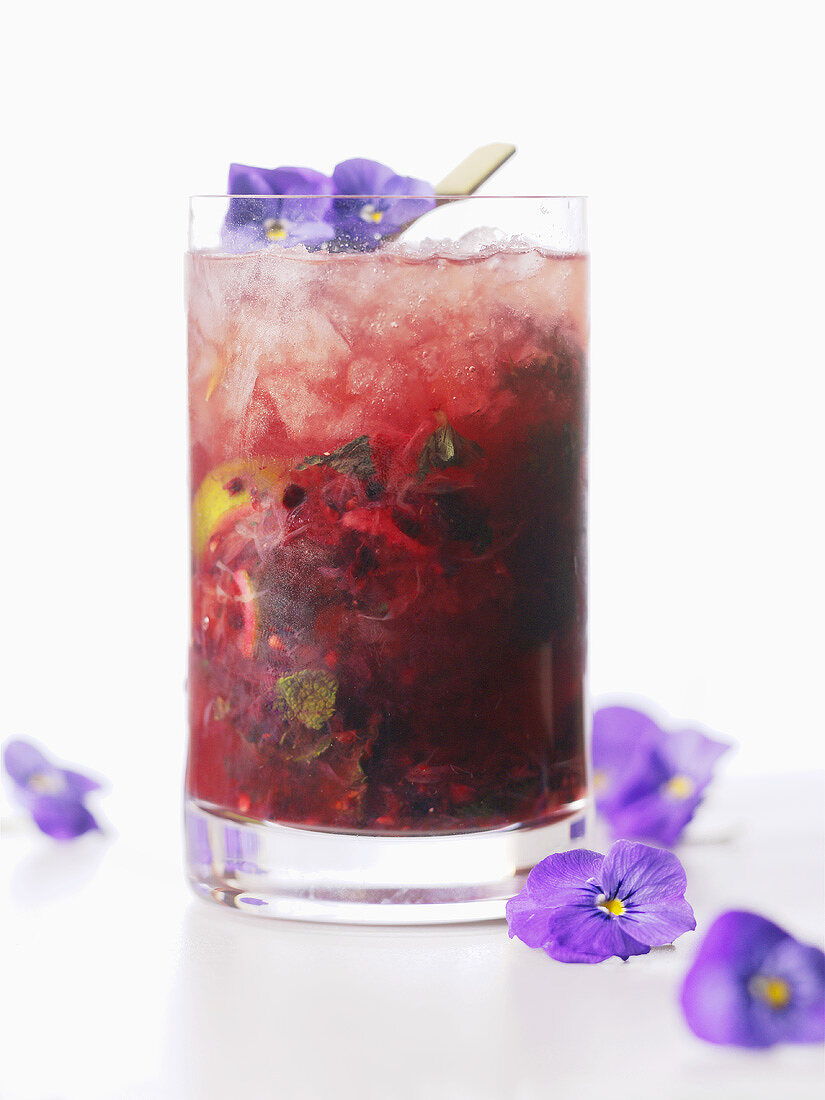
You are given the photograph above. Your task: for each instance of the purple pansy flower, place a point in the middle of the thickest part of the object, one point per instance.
(580, 906)
(374, 202)
(53, 796)
(752, 985)
(649, 782)
(281, 213)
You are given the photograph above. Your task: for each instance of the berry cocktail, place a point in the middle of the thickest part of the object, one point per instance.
(388, 536)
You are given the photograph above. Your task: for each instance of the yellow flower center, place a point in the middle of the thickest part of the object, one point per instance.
(275, 230)
(680, 786)
(775, 992)
(370, 214)
(612, 906)
(44, 783)
(599, 780)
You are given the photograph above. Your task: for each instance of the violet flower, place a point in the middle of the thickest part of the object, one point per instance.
(752, 985)
(579, 906)
(53, 796)
(648, 782)
(374, 202)
(280, 212)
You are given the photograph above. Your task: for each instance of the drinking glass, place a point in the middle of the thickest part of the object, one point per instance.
(388, 470)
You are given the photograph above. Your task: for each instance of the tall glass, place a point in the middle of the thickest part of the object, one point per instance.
(388, 563)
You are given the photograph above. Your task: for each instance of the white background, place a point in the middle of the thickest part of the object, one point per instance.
(696, 131)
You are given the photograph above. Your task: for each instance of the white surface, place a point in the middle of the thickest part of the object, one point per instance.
(696, 132)
(120, 986)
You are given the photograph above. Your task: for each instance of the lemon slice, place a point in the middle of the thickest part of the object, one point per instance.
(230, 488)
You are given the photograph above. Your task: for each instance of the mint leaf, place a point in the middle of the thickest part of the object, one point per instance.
(308, 697)
(353, 458)
(313, 752)
(445, 447)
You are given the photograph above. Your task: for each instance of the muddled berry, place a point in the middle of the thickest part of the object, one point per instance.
(293, 496)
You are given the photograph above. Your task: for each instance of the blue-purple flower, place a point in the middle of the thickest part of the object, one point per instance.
(280, 211)
(649, 782)
(373, 202)
(580, 906)
(287, 206)
(753, 985)
(55, 797)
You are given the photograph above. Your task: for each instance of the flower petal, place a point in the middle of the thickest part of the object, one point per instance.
(559, 879)
(250, 213)
(589, 930)
(717, 1007)
(642, 875)
(352, 232)
(740, 940)
(624, 761)
(415, 198)
(717, 1001)
(574, 954)
(618, 731)
(358, 176)
(61, 818)
(803, 968)
(526, 920)
(654, 816)
(310, 232)
(408, 186)
(404, 198)
(295, 184)
(301, 210)
(240, 235)
(400, 212)
(22, 760)
(657, 927)
(246, 180)
(79, 784)
(552, 881)
(688, 752)
(297, 181)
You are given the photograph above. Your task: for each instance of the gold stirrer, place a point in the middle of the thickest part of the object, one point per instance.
(466, 177)
(474, 170)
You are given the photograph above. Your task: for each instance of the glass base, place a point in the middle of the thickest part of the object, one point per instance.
(303, 874)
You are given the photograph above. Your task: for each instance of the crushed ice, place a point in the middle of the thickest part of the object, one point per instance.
(481, 243)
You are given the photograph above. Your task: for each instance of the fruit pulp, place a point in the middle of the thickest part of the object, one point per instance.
(388, 532)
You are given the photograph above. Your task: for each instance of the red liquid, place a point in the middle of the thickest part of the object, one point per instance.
(389, 520)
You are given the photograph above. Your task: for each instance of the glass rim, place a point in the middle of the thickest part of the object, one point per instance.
(431, 195)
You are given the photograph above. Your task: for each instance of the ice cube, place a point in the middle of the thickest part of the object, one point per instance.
(480, 242)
